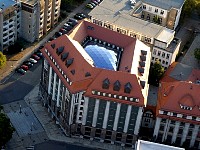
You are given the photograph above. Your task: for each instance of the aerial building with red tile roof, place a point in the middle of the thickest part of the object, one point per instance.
(95, 83)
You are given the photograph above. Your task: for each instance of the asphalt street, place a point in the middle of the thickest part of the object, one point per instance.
(17, 86)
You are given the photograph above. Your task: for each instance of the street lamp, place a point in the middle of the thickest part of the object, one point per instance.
(20, 109)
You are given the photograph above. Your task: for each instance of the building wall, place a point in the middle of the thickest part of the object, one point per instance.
(182, 133)
(88, 117)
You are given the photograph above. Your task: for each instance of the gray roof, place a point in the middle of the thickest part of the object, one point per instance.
(165, 4)
(152, 95)
(181, 72)
(118, 12)
(6, 4)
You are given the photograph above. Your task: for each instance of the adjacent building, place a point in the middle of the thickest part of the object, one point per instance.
(9, 23)
(177, 112)
(120, 18)
(164, 12)
(95, 83)
(28, 19)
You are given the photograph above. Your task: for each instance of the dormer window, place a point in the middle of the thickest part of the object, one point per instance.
(64, 56)
(53, 45)
(69, 62)
(185, 107)
(60, 50)
(116, 86)
(127, 88)
(106, 84)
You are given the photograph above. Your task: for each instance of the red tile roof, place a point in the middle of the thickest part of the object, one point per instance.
(83, 75)
(173, 94)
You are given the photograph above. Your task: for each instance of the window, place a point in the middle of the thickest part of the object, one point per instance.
(156, 10)
(154, 51)
(162, 127)
(163, 54)
(167, 56)
(171, 129)
(161, 12)
(159, 53)
(144, 6)
(150, 8)
(180, 131)
(163, 62)
(166, 62)
(147, 120)
(152, 58)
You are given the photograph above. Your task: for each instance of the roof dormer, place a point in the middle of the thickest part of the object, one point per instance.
(187, 102)
(60, 50)
(69, 62)
(64, 56)
(116, 86)
(106, 83)
(127, 88)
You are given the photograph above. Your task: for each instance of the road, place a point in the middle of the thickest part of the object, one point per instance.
(18, 86)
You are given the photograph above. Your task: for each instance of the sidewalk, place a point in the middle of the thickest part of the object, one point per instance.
(53, 131)
(8, 70)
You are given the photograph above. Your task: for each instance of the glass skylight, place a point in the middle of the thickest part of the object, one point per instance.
(102, 57)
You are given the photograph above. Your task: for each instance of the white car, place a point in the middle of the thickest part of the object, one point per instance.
(33, 60)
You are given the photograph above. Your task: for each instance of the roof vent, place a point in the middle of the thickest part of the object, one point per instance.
(60, 50)
(142, 64)
(117, 86)
(143, 58)
(87, 74)
(106, 83)
(53, 45)
(73, 72)
(127, 88)
(141, 70)
(142, 83)
(64, 56)
(69, 62)
(144, 52)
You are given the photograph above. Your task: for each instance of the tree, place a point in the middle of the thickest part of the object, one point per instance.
(6, 130)
(156, 72)
(197, 54)
(188, 7)
(156, 19)
(2, 59)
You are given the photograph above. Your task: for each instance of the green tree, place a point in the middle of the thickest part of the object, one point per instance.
(188, 7)
(197, 54)
(156, 19)
(198, 8)
(156, 72)
(2, 59)
(6, 130)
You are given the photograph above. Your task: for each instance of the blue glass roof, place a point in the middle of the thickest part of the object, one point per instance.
(102, 57)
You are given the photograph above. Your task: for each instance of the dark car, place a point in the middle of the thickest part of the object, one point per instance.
(35, 57)
(58, 34)
(24, 67)
(29, 64)
(52, 38)
(20, 70)
(68, 28)
(38, 53)
(82, 15)
(41, 47)
(78, 17)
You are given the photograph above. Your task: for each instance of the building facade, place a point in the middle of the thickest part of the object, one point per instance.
(29, 20)
(177, 117)
(166, 13)
(96, 102)
(121, 20)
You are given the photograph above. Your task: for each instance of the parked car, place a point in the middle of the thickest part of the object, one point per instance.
(58, 34)
(29, 64)
(68, 28)
(79, 16)
(95, 2)
(20, 70)
(74, 21)
(24, 67)
(41, 47)
(89, 6)
(35, 57)
(39, 54)
(52, 38)
(32, 60)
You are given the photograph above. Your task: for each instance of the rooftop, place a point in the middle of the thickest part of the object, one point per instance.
(119, 14)
(30, 2)
(166, 35)
(146, 145)
(79, 71)
(165, 4)
(4, 4)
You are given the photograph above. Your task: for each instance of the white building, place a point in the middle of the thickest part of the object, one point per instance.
(29, 19)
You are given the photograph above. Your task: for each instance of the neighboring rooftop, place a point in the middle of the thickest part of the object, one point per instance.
(4, 4)
(146, 145)
(30, 2)
(119, 14)
(166, 35)
(165, 4)
(152, 95)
